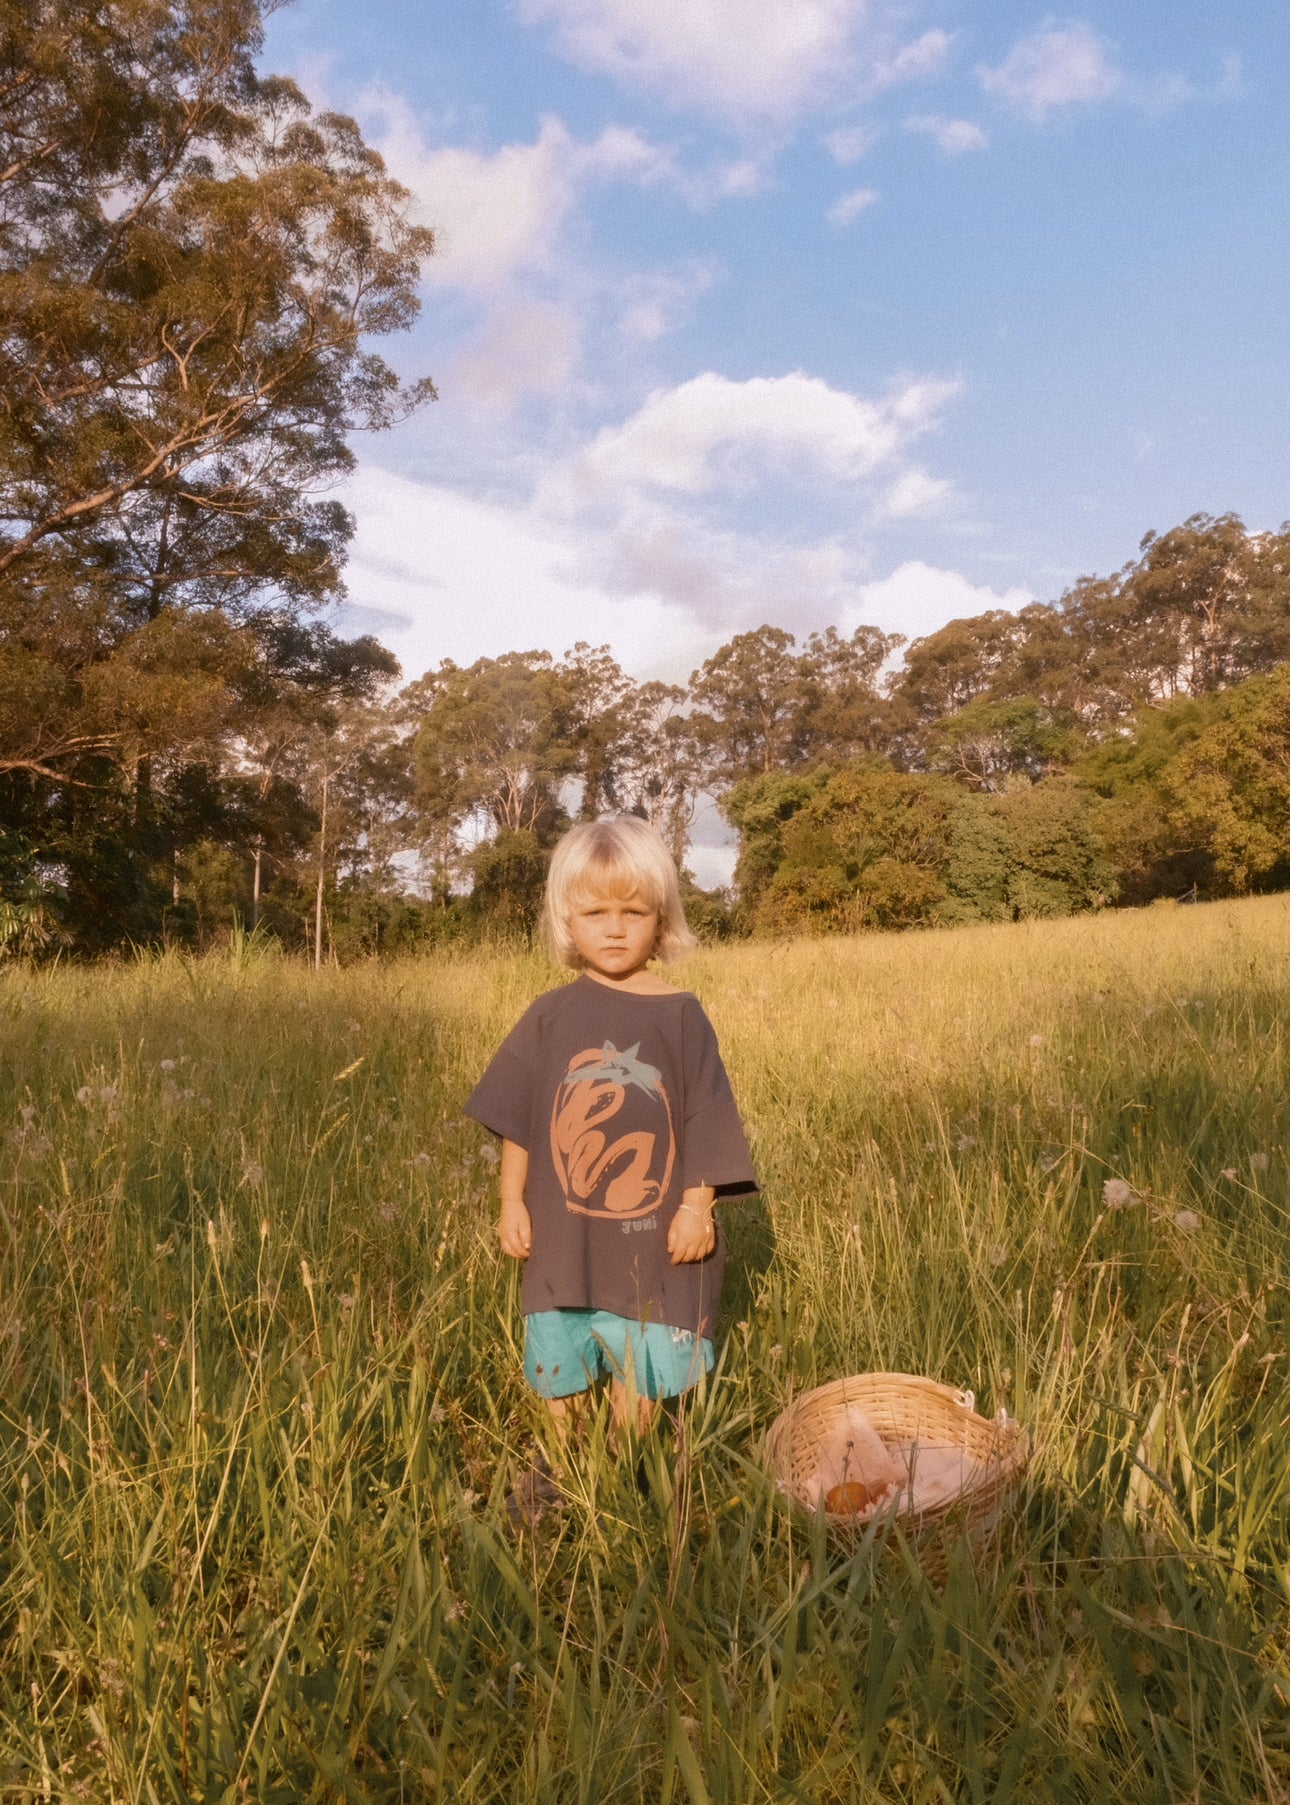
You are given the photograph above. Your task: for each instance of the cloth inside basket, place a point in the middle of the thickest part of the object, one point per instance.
(913, 1475)
(854, 1453)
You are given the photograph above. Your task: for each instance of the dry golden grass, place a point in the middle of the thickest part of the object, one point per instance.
(259, 1407)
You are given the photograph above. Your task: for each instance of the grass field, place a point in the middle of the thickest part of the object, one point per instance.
(259, 1408)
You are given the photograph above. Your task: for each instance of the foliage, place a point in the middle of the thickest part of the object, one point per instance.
(760, 705)
(871, 847)
(1206, 605)
(1228, 791)
(261, 1404)
(1031, 852)
(192, 270)
(987, 743)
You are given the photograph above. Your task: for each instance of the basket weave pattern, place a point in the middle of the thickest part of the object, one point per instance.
(906, 1411)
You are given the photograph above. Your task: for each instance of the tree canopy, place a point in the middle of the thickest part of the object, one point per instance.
(193, 268)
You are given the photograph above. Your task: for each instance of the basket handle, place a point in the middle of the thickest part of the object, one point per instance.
(966, 1400)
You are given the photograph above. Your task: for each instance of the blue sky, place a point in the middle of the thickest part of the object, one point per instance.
(808, 311)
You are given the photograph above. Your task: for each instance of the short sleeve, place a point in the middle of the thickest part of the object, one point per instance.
(715, 1151)
(503, 1099)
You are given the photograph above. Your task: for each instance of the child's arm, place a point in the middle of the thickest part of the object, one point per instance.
(693, 1233)
(514, 1227)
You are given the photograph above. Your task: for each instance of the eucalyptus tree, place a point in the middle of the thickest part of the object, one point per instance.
(193, 267)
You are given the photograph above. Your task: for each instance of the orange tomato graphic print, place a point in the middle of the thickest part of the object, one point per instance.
(624, 1172)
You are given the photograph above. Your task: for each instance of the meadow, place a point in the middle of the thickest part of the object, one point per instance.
(259, 1411)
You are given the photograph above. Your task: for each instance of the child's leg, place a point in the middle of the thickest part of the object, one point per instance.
(566, 1414)
(652, 1364)
(630, 1413)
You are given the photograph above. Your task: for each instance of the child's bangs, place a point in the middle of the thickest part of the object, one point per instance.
(611, 872)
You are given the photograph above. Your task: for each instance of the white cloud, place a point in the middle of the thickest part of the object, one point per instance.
(441, 574)
(851, 206)
(499, 214)
(653, 302)
(713, 433)
(523, 348)
(850, 142)
(1056, 66)
(739, 59)
(714, 507)
(913, 62)
(917, 599)
(954, 136)
(723, 579)
(438, 574)
(915, 492)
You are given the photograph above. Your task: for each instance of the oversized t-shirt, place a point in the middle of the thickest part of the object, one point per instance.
(622, 1103)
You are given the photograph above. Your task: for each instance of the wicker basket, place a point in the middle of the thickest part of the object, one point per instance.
(907, 1412)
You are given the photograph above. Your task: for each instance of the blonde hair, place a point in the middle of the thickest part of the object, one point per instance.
(618, 856)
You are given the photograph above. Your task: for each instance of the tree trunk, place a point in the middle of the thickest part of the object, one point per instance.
(255, 885)
(322, 875)
(142, 793)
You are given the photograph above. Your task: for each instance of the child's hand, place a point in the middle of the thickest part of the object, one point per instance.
(515, 1229)
(693, 1233)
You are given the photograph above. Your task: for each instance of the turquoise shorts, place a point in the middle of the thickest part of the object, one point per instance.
(566, 1351)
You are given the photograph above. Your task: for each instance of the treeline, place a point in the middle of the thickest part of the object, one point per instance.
(193, 271)
(1127, 742)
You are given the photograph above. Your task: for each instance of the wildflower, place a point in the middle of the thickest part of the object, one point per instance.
(964, 1143)
(28, 1113)
(421, 1159)
(85, 1094)
(168, 1065)
(777, 1351)
(1229, 1173)
(252, 1172)
(1258, 1162)
(998, 1254)
(1048, 1160)
(346, 1300)
(108, 1093)
(1036, 1040)
(489, 1154)
(1187, 1220)
(1117, 1194)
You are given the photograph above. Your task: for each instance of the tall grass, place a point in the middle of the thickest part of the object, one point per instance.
(259, 1409)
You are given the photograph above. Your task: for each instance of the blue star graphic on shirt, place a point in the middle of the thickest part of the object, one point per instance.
(621, 1068)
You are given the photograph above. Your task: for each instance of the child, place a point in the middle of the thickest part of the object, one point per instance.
(618, 1131)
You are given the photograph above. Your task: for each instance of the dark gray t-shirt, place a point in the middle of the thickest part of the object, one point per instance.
(621, 1102)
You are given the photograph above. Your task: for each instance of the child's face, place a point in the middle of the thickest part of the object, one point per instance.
(614, 935)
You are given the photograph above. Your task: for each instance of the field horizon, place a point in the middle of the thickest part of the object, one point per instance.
(260, 1403)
